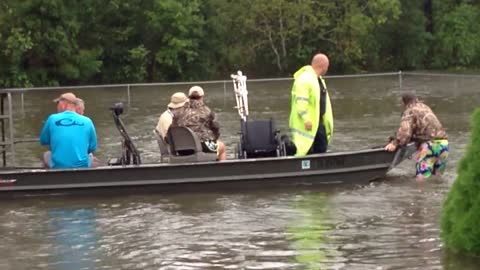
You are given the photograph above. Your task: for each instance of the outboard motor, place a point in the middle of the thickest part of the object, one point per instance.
(130, 154)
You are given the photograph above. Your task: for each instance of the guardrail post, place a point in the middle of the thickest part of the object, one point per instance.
(22, 101)
(224, 94)
(11, 130)
(400, 79)
(128, 95)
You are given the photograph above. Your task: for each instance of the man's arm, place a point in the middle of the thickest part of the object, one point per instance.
(93, 139)
(301, 98)
(214, 126)
(328, 118)
(164, 122)
(404, 133)
(45, 133)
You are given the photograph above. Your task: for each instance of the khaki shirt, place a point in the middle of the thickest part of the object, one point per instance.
(164, 122)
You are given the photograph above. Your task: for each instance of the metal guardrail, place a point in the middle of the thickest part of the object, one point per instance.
(128, 86)
(472, 76)
(6, 117)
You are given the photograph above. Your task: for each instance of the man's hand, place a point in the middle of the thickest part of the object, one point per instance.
(390, 147)
(308, 125)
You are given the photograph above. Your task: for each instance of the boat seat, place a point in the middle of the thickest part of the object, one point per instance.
(185, 146)
(162, 146)
(259, 138)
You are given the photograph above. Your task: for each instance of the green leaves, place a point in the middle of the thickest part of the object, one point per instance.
(175, 29)
(457, 38)
(60, 42)
(16, 45)
(136, 69)
(461, 211)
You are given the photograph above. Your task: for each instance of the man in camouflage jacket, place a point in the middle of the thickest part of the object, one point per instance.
(420, 125)
(201, 119)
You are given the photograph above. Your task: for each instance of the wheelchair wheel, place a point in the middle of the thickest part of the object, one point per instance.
(238, 151)
(282, 149)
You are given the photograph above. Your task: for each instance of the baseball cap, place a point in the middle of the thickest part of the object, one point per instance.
(196, 89)
(69, 97)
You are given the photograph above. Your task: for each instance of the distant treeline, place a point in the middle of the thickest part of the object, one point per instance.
(68, 42)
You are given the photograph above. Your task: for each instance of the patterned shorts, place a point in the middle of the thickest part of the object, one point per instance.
(431, 158)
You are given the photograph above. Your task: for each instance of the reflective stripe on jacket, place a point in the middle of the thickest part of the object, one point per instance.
(305, 106)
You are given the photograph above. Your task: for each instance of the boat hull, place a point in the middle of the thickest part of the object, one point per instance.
(359, 167)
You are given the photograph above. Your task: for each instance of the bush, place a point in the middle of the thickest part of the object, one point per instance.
(461, 211)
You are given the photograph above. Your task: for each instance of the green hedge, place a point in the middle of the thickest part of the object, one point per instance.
(461, 211)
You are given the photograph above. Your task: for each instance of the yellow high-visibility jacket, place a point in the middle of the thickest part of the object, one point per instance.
(305, 106)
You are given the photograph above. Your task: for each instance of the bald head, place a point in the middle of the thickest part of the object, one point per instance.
(320, 64)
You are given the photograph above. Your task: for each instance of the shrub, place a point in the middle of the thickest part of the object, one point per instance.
(461, 211)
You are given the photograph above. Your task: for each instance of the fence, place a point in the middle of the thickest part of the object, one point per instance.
(128, 87)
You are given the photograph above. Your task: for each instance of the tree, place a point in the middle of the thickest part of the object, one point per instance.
(401, 42)
(171, 33)
(40, 45)
(456, 36)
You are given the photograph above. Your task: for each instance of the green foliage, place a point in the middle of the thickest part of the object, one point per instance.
(401, 42)
(59, 42)
(457, 40)
(461, 211)
(14, 47)
(135, 70)
(40, 46)
(175, 29)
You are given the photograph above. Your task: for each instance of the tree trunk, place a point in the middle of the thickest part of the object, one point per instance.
(427, 10)
(428, 13)
(151, 67)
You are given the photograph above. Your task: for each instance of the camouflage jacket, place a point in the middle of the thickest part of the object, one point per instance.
(419, 124)
(199, 118)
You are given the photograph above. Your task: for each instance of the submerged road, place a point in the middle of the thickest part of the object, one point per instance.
(393, 224)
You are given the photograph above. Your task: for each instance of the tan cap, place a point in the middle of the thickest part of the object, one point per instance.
(196, 89)
(177, 100)
(68, 97)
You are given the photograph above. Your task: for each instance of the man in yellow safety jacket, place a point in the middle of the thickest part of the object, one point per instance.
(311, 117)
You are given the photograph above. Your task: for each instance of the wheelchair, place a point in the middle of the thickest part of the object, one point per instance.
(259, 139)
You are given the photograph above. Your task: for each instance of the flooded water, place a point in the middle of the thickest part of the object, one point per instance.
(393, 224)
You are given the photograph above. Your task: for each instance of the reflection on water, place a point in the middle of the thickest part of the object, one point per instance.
(452, 261)
(389, 225)
(74, 238)
(308, 230)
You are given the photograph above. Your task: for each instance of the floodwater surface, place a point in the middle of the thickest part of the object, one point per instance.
(393, 224)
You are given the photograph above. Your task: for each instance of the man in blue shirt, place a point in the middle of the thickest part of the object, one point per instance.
(71, 136)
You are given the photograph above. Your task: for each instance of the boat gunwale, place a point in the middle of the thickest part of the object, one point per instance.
(193, 180)
(20, 170)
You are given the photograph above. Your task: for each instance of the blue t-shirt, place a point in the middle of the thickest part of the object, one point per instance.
(71, 137)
